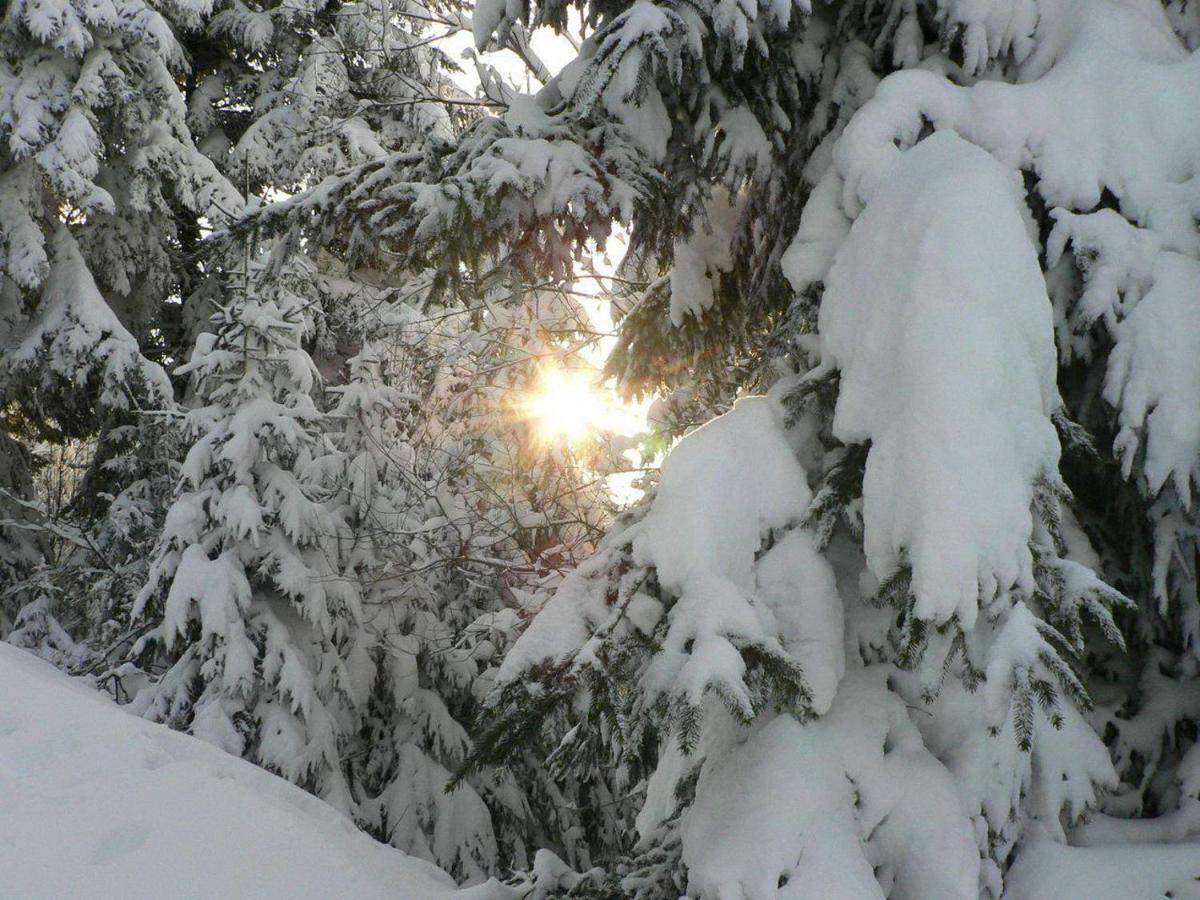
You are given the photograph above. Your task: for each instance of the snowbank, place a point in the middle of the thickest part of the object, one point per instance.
(101, 804)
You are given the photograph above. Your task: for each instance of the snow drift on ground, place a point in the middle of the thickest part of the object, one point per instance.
(101, 804)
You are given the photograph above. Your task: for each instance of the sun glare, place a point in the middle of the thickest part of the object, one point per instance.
(566, 405)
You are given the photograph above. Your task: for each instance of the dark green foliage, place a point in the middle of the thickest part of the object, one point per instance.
(840, 487)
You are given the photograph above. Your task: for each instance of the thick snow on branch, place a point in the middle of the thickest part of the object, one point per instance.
(712, 510)
(1157, 400)
(1093, 58)
(705, 528)
(1102, 117)
(812, 811)
(937, 318)
(708, 521)
(79, 338)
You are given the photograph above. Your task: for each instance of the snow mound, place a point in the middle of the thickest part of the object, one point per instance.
(99, 803)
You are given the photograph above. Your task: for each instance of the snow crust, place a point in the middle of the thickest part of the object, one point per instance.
(100, 803)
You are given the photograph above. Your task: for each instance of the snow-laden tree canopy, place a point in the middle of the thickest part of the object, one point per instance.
(982, 231)
(908, 606)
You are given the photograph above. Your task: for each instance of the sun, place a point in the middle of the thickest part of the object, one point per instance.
(565, 405)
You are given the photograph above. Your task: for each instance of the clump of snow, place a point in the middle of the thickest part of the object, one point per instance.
(100, 803)
(701, 257)
(1156, 400)
(712, 510)
(849, 805)
(823, 228)
(798, 585)
(947, 366)
(489, 16)
(782, 788)
(566, 622)
(1120, 267)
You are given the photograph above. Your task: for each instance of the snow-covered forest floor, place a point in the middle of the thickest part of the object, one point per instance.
(102, 804)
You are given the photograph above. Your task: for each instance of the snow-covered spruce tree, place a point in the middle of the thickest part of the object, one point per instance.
(440, 598)
(1119, 238)
(95, 156)
(896, 619)
(687, 125)
(457, 518)
(408, 739)
(250, 620)
(283, 94)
